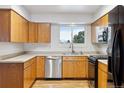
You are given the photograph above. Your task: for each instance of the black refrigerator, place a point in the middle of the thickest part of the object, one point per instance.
(116, 47)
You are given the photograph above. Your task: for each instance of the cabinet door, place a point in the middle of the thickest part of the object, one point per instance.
(27, 77)
(33, 70)
(102, 79)
(40, 67)
(19, 28)
(80, 70)
(4, 25)
(15, 27)
(68, 69)
(44, 33)
(32, 32)
(11, 75)
(102, 75)
(29, 72)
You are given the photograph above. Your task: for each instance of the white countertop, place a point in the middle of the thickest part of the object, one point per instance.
(25, 57)
(103, 61)
(18, 59)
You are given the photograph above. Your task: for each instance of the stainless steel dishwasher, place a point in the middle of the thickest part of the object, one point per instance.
(53, 67)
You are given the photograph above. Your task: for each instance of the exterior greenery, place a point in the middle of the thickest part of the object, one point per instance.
(79, 38)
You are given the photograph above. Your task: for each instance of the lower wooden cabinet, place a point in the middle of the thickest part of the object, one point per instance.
(40, 67)
(29, 72)
(102, 75)
(75, 67)
(11, 75)
(17, 75)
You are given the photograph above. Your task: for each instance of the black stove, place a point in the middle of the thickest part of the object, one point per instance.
(94, 58)
(93, 67)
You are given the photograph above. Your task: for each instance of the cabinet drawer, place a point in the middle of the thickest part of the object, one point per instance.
(103, 67)
(72, 58)
(28, 63)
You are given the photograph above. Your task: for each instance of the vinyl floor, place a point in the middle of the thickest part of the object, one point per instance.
(61, 84)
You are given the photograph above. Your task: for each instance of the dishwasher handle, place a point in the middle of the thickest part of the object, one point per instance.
(51, 58)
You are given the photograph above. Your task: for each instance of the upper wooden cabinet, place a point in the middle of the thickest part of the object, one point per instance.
(102, 22)
(39, 32)
(44, 33)
(13, 27)
(32, 32)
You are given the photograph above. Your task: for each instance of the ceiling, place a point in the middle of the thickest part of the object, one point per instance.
(39, 9)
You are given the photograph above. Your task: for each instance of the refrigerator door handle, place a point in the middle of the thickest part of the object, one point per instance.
(113, 60)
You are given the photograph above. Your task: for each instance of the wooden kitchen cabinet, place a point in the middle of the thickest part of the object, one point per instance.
(75, 67)
(39, 32)
(44, 33)
(102, 75)
(32, 32)
(11, 75)
(13, 27)
(68, 69)
(29, 72)
(101, 22)
(18, 75)
(40, 67)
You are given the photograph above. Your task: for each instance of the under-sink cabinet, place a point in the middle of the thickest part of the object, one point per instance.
(75, 67)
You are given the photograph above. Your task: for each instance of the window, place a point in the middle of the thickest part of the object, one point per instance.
(72, 33)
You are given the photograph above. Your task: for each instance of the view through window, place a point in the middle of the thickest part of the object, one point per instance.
(72, 33)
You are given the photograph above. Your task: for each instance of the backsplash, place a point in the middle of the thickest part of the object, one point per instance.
(10, 48)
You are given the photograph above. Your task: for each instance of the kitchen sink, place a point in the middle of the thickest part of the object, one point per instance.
(75, 53)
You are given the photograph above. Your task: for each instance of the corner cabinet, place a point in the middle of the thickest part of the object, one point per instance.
(18, 75)
(13, 27)
(75, 67)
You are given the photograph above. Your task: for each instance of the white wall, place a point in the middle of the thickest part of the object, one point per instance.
(9, 48)
(21, 10)
(55, 44)
(62, 18)
(102, 11)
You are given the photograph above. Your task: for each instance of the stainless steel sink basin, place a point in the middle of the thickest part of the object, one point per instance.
(75, 53)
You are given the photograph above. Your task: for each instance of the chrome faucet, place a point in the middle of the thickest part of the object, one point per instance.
(72, 47)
